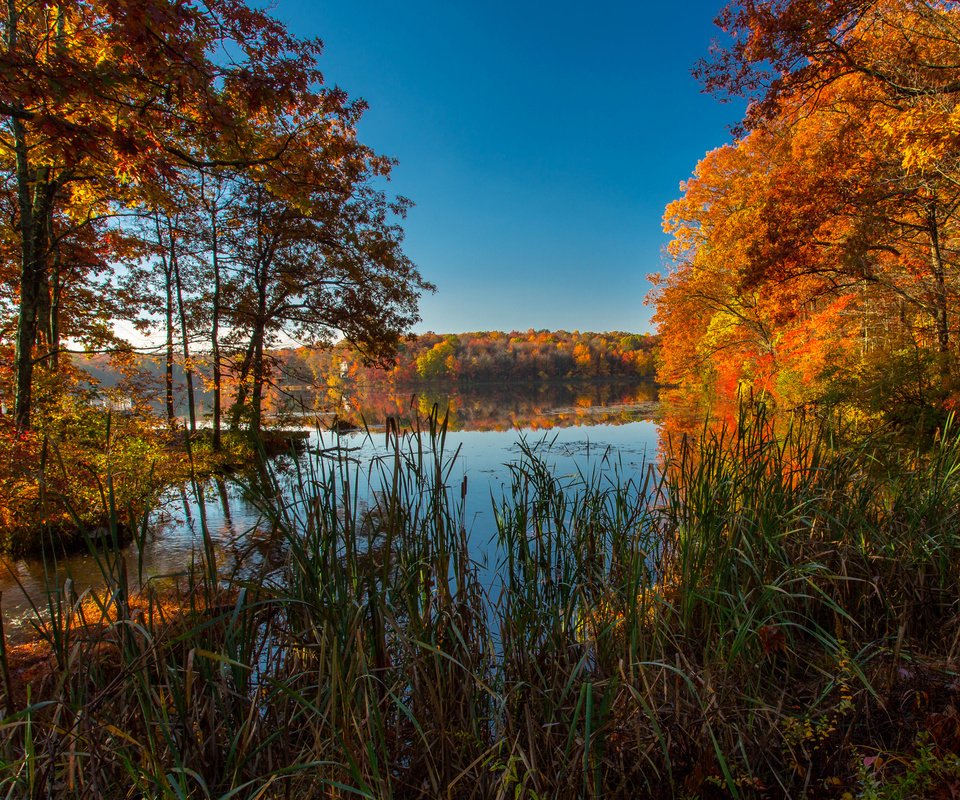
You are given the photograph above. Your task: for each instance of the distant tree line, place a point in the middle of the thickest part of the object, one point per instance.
(488, 357)
(296, 376)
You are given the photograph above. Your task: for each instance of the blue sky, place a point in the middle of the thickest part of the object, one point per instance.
(540, 143)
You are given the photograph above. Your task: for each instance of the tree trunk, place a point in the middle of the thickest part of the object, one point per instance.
(53, 319)
(187, 368)
(241, 397)
(259, 335)
(256, 395)
(940, 306)
(29, 285)
(168, 321)
(215, 329)
(252, 367)
(33, 210)
(35, 193)
(48, 321)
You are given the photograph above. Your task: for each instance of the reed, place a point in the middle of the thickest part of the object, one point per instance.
(754, 617)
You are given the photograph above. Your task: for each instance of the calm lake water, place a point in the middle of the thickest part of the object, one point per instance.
(599, 429)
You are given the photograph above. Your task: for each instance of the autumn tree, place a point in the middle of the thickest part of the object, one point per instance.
(826, 236)
(785, 50)
(439, 361)
(316, 254)
(104, 100)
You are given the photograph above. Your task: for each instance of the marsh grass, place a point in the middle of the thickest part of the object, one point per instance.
(758, 617)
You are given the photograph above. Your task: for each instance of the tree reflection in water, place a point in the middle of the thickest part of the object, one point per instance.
(489, 407)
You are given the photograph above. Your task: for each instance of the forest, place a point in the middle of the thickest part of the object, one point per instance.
(814, 258)
(477, 357)
(337, 384)
(488, 356)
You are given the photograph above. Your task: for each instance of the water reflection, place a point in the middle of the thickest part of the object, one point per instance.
(496, 407)
(595, 428)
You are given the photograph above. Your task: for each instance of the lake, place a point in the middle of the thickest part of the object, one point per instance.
(601, 429)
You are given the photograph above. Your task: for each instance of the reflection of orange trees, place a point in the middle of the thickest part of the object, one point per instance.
(539, 407)
(745, 446)
(584, 401)
(445, 406)
(726, 421)
(686, 413)
(305, 380)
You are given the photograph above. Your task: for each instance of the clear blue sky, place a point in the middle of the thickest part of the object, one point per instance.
(540, 143)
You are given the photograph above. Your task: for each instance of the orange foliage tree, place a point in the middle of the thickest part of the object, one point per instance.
(178, 114)
(816, 256)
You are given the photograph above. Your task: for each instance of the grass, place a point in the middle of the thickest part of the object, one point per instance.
(771, 614)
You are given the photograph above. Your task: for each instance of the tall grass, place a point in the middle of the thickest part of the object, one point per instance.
(747, 620)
